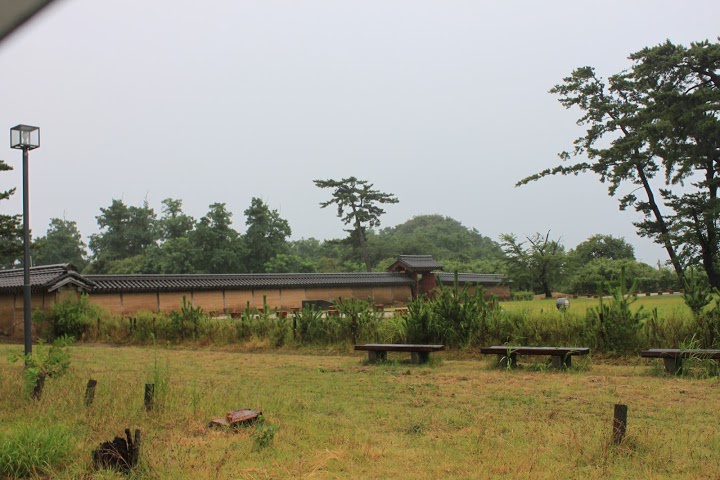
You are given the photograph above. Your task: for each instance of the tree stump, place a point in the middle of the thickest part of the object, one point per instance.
(122, 454)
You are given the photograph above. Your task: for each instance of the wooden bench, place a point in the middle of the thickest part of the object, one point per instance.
(561, 357)
(673, 357)
(377, 352)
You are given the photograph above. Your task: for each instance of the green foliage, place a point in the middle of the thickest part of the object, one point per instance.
(420, 324)
(449, 241)
(125, 232)
(521, 295)
(11, 232)
(602, 246)
(658, 118)
(358, 318)
(187, 322)
(358, 204)
(537, 264)
(264, 433)
(61, 244)
(596, 273)
(704, 302)
(69, 317)
(266, 236)
(309, 326)
(45, 361)
(455, 316)
(616, 324)
(158, 374)
(218, 247)
(34, 448)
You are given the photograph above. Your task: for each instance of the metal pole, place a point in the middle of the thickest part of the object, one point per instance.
(27, 304)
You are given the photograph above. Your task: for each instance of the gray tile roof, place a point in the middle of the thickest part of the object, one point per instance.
(481, 278)
(147, 283)
(420, 262)
(41, 278)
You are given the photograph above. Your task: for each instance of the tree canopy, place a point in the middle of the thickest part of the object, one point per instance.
(11, 233)
(357, 204)
(61, 244)
(660, 120)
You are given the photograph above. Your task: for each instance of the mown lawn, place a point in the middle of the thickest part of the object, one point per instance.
(340, 418)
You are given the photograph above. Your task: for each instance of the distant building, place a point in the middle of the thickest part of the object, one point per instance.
(408, 277)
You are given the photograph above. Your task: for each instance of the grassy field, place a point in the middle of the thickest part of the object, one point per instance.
(337, 417)
(666, 305)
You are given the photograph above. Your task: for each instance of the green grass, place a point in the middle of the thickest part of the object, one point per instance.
(666, 305)
(336, 417)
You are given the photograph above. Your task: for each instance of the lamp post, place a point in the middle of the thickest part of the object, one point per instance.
(26, 138)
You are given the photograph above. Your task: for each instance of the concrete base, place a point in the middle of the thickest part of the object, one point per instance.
(377, 356)
(559, 361)
(419, 357)
(673, 366)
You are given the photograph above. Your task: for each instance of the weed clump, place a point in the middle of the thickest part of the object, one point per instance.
(30, 449)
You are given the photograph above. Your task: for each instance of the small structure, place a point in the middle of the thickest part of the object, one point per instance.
(420, 268)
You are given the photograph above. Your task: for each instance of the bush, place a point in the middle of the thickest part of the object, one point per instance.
(615, 324)
(34, 449)
(44, 361)
(523, 295)
(70, 317)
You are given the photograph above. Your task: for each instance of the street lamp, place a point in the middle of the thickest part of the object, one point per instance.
(26, 138)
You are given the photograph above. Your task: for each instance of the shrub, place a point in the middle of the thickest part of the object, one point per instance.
(44, 361)
(615, 324)
(419, 320)
(702, 299)
(308, 324)
(33, 449)
(522, 295)
(70, 317)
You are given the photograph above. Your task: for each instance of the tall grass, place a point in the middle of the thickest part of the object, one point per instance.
(454, 317)
(34, 447)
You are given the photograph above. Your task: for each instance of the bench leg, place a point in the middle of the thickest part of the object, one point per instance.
(377, 357)
(561, 361)
(419, 357)
(503, 360)
(673, 366)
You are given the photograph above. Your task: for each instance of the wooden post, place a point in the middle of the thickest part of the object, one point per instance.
(38, 389)
(149, 396)
(90, 392)
(619, 423)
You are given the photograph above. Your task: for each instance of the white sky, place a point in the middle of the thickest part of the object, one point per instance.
(443, 103)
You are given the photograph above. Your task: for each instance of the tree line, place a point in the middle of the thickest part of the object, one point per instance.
(655, 123)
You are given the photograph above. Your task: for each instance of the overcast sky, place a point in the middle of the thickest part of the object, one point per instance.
(443, 103)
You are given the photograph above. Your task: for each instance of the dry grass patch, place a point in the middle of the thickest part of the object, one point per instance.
(340, 418)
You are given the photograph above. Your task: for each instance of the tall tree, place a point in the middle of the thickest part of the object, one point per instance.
(174, 223)
(11, 233)
(125, 232)
(536, 264)
(61, 244)
(660, 118)
(218, 247)
(357, 205)
(603, 246)
(266, 235)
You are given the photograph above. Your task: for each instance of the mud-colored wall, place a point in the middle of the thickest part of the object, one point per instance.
(211, 301)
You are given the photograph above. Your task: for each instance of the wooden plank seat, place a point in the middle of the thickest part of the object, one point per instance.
(377, 352)
(673, 357)
(561, 357)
